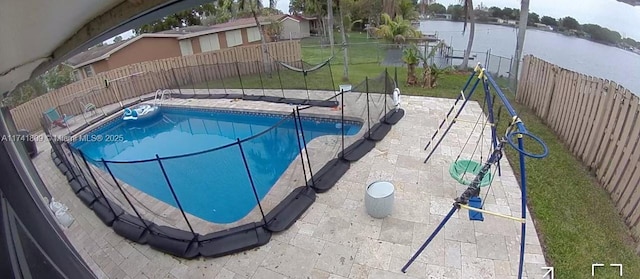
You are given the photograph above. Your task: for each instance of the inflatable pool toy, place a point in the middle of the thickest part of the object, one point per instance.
(140, 112)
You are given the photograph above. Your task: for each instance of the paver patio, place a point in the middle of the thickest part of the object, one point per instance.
(336, 238)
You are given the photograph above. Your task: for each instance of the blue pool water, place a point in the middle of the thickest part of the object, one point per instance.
(212, 185)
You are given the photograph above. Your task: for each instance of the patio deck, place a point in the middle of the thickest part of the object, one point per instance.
(335, 238)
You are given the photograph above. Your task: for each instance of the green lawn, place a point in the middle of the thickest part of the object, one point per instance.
(576, 221)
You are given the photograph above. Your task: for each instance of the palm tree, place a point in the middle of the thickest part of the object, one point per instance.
(515, 63)
(410, 56)
(468, 12)
(431, 70)
(254, 5)
(396, 30)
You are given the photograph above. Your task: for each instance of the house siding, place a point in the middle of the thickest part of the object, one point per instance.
(195, 44)
(145, 49)
(100, 66)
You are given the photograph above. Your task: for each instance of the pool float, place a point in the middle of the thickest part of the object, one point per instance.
(140, 112)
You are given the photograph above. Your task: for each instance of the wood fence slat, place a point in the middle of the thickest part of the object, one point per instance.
(567, 109)
(542, 81)
(620, 139)
(631, 158)
(598, 126)
(594, 99)
(630, 210)
(557, 99)
(613, 132)
(580, 112)
(602, 137)
(562, 102)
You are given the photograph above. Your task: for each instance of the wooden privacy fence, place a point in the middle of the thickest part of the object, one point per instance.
(599, 121)
(138, 79)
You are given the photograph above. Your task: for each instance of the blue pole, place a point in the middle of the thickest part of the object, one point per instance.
(523, 188)
(494, 143)
(466, 85)
(504, 99)
(431, 237)
(451, 124)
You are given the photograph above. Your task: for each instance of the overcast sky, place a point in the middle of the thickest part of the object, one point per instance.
(608, 13)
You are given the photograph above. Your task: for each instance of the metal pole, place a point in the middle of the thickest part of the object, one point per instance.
(280, 80)
(304, 75)
(451, 125)
(124, 194)
(206, 79)
(306, 151)
(94, 179)
(224, 87)
(431, 237)
(253, 186)
(333, 83)
(176, 79)
(239, 77)
(523, 189)
(174, 195)
(295, 123)
(342, 117)
(260, 75)
(386, 78)
(366, 86)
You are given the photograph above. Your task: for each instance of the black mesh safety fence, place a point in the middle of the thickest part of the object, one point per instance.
(255, 172)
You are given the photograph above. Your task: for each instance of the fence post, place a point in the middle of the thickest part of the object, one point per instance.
(124, 194)
(86, 164)
(260, 76)
(295, 123)
(304, 75)
(175, 78)
(253, 186)
(280, 80)
(304, 140)
(386, 78)
(166, 178)
(366, 86)
(206, 80)
(342, 118)
(239, 78)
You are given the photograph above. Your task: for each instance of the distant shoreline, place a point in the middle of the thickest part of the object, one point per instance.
(539, 29)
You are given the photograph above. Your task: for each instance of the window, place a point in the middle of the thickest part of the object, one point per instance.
(253, 34)
(185, 47)
(76, 75)
(234, 38)
(88, 71)
(209, 43)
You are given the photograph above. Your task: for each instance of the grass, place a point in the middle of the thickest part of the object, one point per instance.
(576, 220)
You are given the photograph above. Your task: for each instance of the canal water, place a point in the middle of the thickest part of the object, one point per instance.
(571, 53)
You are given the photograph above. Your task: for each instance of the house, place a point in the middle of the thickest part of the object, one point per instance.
(297, 27)
(166, 44)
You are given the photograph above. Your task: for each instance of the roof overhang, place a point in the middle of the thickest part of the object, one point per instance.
(218, 30)
(125, 44)
(39, 34)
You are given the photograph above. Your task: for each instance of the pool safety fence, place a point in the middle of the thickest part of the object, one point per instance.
(223, 200)
(296, 83)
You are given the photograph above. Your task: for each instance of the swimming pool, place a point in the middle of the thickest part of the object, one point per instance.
(212, 182)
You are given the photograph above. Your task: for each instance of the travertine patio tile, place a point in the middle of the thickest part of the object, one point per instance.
(335, 237)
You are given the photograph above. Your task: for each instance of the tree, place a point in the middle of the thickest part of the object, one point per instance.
(407, 9)
(184, 18)
(411, 58)
(495, 12)
(58, 77)
(436, 8)
(468, 12)
(533, 19)
(254, 5)
(456, 11)
(330, 23)
(117, 39)
(396, 30)
(343, 33)
(601, 34)
(515, 63)
(507, 13)
(549, 21)
(570, 23)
